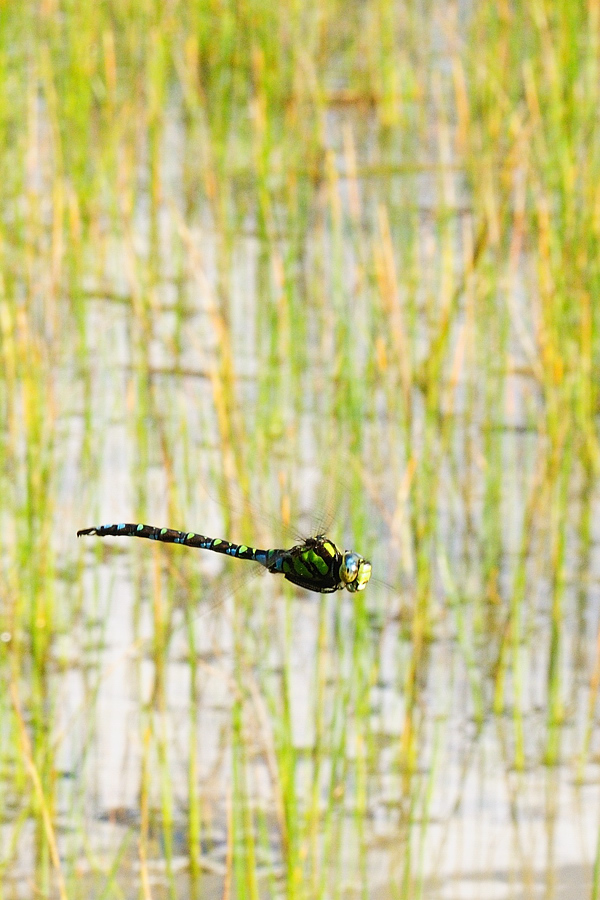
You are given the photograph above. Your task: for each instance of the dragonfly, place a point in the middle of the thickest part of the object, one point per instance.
(316, 564)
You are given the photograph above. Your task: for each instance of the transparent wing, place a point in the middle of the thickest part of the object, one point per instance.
(200, 597)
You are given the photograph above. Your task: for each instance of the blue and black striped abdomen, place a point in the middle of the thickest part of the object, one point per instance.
(171, 536)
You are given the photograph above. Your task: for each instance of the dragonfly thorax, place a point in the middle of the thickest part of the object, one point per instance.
(319, 565)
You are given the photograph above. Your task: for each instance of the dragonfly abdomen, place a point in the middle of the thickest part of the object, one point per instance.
(172, 536)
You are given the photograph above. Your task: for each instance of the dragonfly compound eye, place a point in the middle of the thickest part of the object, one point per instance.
(349, 567)
(355, 571)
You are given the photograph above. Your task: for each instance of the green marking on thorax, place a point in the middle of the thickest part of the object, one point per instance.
(317, 560)
(301, 568)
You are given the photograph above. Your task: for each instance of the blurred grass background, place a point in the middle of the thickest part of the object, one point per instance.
(253, 249)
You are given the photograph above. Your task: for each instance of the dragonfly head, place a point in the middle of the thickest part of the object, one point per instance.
(355, 571)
